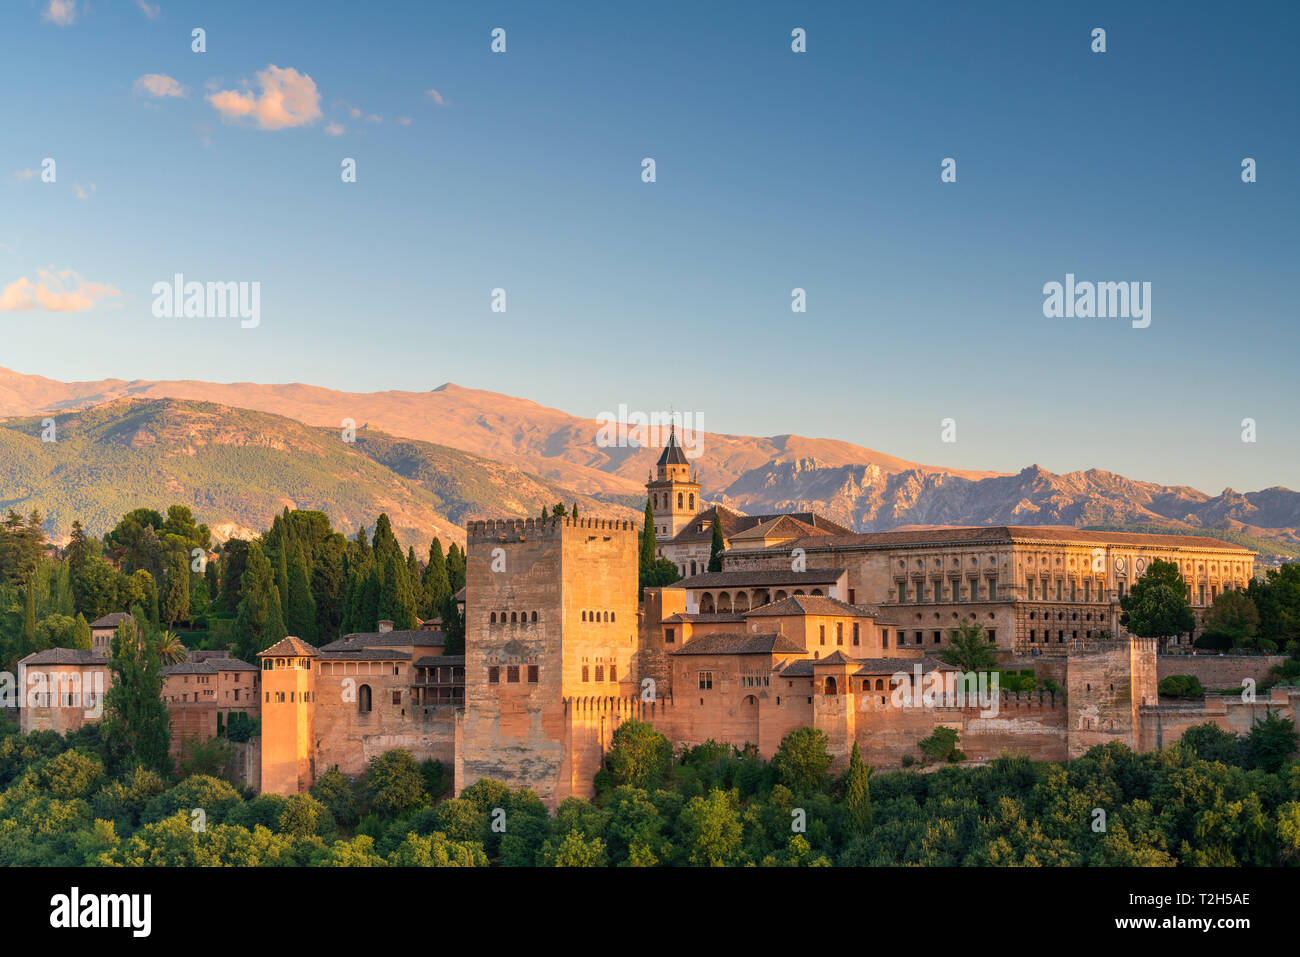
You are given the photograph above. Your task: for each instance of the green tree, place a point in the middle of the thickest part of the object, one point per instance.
(134, 711)
(176, 593)
(435, 586)
(300, 616)
(711, 829)
(639, 755)
(802, 760)
(81, 636)
(260, 622)
(968, 647)
(394, 782)
(717, 546)
(857, 795)
(1157, 605)
(1233, 616)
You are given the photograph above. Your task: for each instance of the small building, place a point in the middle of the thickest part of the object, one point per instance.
(62, 689)
(102, 631)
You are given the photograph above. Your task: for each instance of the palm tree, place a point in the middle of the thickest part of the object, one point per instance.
(171, 649)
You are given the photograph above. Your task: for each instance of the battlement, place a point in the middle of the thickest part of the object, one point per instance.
(494, 530)
(627, 705)
(1080, 647)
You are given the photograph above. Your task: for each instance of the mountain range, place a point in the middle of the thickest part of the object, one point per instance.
(440, 457)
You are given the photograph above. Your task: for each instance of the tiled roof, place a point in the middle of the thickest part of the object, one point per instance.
(388, 639)
(751, 577)
(725, 616)
(803, 667)
(363, 654)
(111, 620)
(785, 525)
(433, 661)
(64, 656)
(207, 666)
(1005, 534)
(673, 453)
(733, 522)
(809, 605)
(741, 644)
(460, 595)
(289, 647)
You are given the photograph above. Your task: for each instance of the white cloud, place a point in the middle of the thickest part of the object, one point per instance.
(150, 10)
(287, 98)
(24, 173)
(374, 118)
(159, 84)
(62, 13)
(435, 96)
(403, 121)
(82, 193)
(334, 129)
(61, 292)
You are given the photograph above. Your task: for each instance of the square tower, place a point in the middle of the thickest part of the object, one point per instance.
(550, 626)
(288, 717)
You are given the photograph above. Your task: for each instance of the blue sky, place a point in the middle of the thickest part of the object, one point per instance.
(775, 170)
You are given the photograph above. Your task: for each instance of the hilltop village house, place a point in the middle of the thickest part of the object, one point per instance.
(807, 624)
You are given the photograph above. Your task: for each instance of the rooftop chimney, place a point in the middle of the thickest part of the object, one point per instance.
(385, 626)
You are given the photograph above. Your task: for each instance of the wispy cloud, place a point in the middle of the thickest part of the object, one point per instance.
(64, 291)
(83, 193)
(159, 85)
(62, 13)
(24, 173)
(150, 10)
(334, 129)
(403, 121)
(287, 98)
(434, 95)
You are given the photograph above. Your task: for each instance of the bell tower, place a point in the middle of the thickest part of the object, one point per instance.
(674, 490)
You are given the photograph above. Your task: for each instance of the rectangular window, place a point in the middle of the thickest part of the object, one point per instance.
(821, 634)
(706, 680)
(1060, 589)
(669, 635)
(532, 674)
(993, 589)
(937, 636)
(884, 637)
(512, 674)
(856, 634)
(920, 638)
(853, 598)
(600, 672)
(494, 675)
(839, 633)
(1087, 591)
(1044, 589)
(585, 674)
(397, 697)
(613, 669)
(902, 591)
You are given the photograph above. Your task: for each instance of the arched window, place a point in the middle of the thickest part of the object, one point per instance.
(514, 618)
(692, 500)
(679, 499)
(363, 699)
(880, 684)
(611, 616)
(534, 618)
(584, 616)
(830, 685)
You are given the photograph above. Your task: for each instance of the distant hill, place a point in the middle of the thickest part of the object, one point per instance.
(236, 468)
(500, 437)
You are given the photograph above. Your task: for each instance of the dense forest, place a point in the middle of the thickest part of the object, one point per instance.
(1212, 799)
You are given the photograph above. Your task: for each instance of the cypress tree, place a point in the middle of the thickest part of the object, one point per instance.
(718, 545)
(436, 586)
(81, 635)
(260, 621)
(135, 714)
(176, 596)
(300, 614)
(29, 616)
(857, 795)
(649, 543)
(455, 568)
(282, 578)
